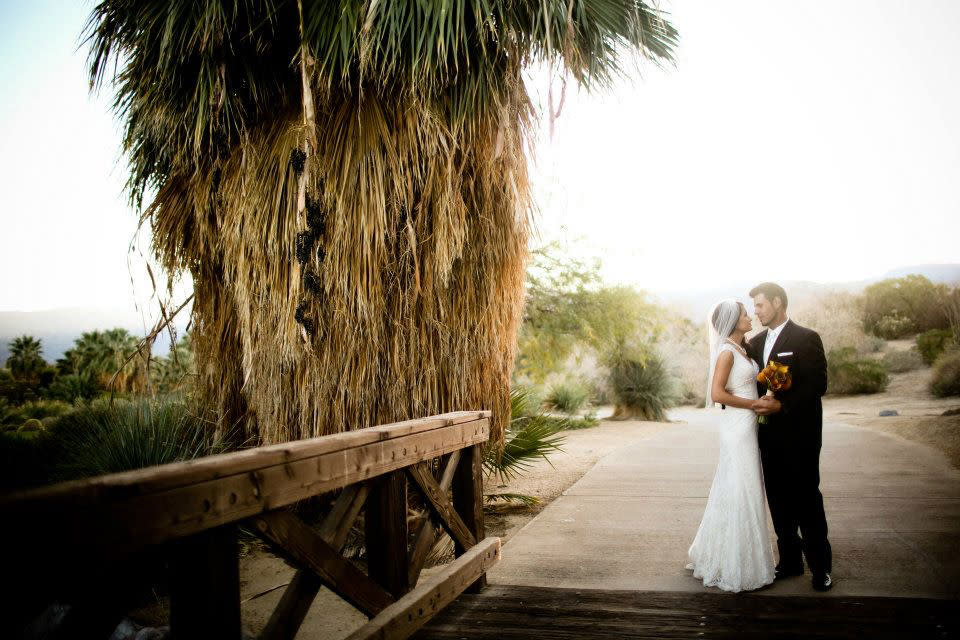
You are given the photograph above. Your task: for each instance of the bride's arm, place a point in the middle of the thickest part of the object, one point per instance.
(719, 390)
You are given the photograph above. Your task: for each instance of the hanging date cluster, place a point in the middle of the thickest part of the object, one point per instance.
(309, 249)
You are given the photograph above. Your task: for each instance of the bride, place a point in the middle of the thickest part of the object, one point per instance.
(732, 548)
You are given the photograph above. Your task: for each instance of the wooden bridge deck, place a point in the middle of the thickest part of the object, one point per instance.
(505, 612)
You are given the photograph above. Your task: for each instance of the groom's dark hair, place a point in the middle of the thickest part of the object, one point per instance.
(770, 290)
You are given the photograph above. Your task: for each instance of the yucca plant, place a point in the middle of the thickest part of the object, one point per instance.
(567, 397)
(346, 184)
(642, 388)
(108, 437)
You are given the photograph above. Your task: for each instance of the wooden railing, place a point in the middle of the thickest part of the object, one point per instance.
(82, 542)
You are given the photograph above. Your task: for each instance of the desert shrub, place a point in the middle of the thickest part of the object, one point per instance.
(567, 397)
(41, 409)
(932, 343)
(685, 348)
(31, 424)
(898, 307)
(525, 401)
(902, 360)
(847, 373)
(102, 437)
(642, 388)
(837, 317)
(946, 374)
(74, 386)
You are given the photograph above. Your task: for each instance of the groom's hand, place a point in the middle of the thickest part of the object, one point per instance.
(766, 405)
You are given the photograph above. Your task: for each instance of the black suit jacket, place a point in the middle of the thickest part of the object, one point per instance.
(802, 350)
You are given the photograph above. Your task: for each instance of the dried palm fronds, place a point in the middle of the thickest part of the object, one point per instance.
(413, 122)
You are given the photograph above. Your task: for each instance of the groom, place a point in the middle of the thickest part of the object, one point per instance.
(790, 440)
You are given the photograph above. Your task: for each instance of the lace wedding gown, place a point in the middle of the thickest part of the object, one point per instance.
(732, 548)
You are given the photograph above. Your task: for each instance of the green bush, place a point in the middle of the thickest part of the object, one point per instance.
(898, 307)
(893, 326)
(642, 388)
(902, 361)
(41, 409)
(74, 386)
(101, 437)
(847, 373)
(524, 401)
(567, 397)
(932, 343)
(946, 374)
(31, 424)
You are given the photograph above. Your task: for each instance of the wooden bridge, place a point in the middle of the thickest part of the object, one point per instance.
(86, 542)
(83, 542)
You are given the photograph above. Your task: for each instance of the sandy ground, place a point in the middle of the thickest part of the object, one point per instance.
(919, 420)
(920, 416)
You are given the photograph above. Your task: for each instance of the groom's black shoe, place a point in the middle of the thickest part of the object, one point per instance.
(822, 582)
(780, 573)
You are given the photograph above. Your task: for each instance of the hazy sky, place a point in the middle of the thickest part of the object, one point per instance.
(815, 141)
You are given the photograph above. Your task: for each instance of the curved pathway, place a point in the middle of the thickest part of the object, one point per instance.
(893, 508)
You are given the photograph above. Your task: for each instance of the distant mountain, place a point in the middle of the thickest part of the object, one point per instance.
(58, 328)
(696, 304)
(941, 273)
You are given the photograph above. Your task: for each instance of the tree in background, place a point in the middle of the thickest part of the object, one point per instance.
(900, 307)
(109, 357)
(26, 361)
(346, 184)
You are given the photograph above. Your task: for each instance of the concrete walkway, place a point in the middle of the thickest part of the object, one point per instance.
(893, 508)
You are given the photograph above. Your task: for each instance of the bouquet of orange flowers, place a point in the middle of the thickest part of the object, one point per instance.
(777, 378)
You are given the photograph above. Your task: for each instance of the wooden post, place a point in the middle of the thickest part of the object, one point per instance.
(205, 585)
(468, 501)
(385, 522)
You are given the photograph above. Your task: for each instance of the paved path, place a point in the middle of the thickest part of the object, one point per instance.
(893, 508)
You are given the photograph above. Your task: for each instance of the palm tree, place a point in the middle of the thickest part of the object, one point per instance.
(107, 357)
(346, 184)
(26, 358)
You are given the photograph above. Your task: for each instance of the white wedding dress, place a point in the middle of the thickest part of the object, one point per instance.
(732, 548)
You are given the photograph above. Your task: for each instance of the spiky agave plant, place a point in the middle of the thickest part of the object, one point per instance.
(412, 117)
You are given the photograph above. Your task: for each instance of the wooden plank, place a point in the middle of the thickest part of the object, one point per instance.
(412, 611)
(205, 585)
(442, 507)
(304, 546)
(468, 500)
(336, 526)
(290, 612)
(113, 526)
(425, 537)
(508, 612)
(142, 481)
(385, 520)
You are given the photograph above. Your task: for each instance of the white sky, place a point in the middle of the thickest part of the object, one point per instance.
(813, 141)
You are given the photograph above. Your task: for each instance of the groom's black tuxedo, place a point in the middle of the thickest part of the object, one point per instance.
(790, 448)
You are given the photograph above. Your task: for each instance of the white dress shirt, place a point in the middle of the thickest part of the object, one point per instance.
(772, 335)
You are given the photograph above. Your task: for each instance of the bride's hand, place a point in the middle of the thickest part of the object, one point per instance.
(766, 405)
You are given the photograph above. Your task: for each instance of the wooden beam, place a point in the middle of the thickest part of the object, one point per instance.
(114, 515)
(409, 613)
(191, 472)
(290, 612)
(385, 520)
(442, 507)
(426, 537)
(304, 546)
(205, 585)
(468, 500)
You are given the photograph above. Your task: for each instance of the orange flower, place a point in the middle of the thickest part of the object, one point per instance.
(776, 376)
